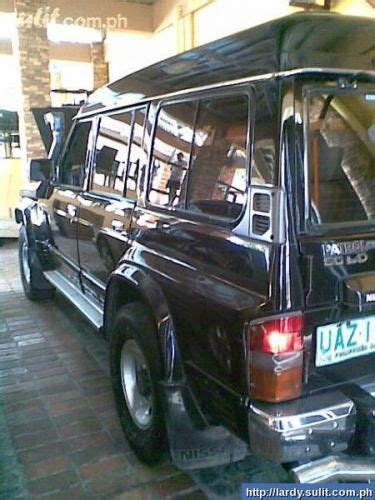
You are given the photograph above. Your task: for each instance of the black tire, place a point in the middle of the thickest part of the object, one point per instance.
(134, 326)
(31, 274)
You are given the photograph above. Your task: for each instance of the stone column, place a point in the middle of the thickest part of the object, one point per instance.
(100, 66)
(31, 48)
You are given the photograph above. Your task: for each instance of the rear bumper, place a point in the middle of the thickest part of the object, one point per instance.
(335, 468)
(304, 429)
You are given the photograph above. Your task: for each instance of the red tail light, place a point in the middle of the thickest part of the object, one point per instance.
(277, 336)
(276, 358)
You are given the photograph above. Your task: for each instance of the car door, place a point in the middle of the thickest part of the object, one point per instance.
(106, 207)
(63, 205)
(209, 274)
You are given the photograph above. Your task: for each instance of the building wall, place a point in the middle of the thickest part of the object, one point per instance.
(99, 64)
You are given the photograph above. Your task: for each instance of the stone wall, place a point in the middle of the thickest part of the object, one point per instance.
(32, 50)
(100, 67)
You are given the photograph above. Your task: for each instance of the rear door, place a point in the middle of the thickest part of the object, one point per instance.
(338, 246)
(106, 207)
(209, 273)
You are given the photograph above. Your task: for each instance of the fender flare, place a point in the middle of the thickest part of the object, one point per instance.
(142, 286)
(35, 219)
(38, 233)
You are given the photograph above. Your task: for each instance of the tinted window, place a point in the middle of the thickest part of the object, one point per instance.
(171, 153)
(218, 169)
(266, 127)
(137, 158)
(111, 153)
(342, 156)
(73, 164)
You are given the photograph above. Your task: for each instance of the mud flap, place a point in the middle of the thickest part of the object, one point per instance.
(193, 443)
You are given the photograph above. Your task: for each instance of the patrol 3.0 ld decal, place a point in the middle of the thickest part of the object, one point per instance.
(346, 252)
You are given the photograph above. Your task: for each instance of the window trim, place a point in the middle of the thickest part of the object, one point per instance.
(245, 90)
(88, 155)
(120, 195)
(307, 90)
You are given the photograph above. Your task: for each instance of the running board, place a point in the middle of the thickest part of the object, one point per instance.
(91, 311)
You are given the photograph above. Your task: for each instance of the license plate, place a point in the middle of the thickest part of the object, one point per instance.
(339, 342)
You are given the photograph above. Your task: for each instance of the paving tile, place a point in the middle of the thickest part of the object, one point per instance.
(98, 439)
(41, 453)
(92, 454)
(108, 484)
(35, 439)
(45, 468)
(58, 408)
(75, 492)
(53, 483)
(20, 395)
(79, 427)
(97, 468)
(75, 415)
(24, 416)
(195, 494)
(38, 425)
(49, 372)
(142, 493)
(69, 395)
(23, 405)
(171, 486)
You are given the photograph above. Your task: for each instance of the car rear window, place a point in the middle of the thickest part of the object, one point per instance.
(341, 155)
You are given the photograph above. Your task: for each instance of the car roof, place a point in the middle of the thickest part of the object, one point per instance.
(298, 41)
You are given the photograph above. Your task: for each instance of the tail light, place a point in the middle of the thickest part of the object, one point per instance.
(276, 358)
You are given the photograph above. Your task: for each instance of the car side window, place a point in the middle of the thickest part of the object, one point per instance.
(111, 154)
(73, 166)
(217, 180)
(171, 153)
(200, 156)
(137, 158)
(264, 156)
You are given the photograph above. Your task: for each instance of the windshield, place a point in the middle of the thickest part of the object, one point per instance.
(341, 155)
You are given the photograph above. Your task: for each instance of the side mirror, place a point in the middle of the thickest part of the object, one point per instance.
(41, 170)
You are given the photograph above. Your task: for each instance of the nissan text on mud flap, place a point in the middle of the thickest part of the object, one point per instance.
(213, 215)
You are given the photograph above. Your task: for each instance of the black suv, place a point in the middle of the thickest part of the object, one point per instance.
(214, 215)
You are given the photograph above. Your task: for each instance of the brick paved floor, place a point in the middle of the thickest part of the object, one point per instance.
(59, 433)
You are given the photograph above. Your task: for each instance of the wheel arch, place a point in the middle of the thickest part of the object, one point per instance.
(131, 284)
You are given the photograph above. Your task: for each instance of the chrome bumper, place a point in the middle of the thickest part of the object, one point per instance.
(335, 468)
(303, 429)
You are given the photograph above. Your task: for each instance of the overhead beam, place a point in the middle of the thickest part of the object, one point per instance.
(79, 52)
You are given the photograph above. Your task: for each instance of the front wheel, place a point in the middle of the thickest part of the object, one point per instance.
(135, 372)
(30, 273)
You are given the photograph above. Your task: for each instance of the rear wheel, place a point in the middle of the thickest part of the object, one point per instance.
(30, 273)
(135, 372)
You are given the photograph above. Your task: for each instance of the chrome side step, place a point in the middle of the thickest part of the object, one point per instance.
(91, 311)
(335, 468)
